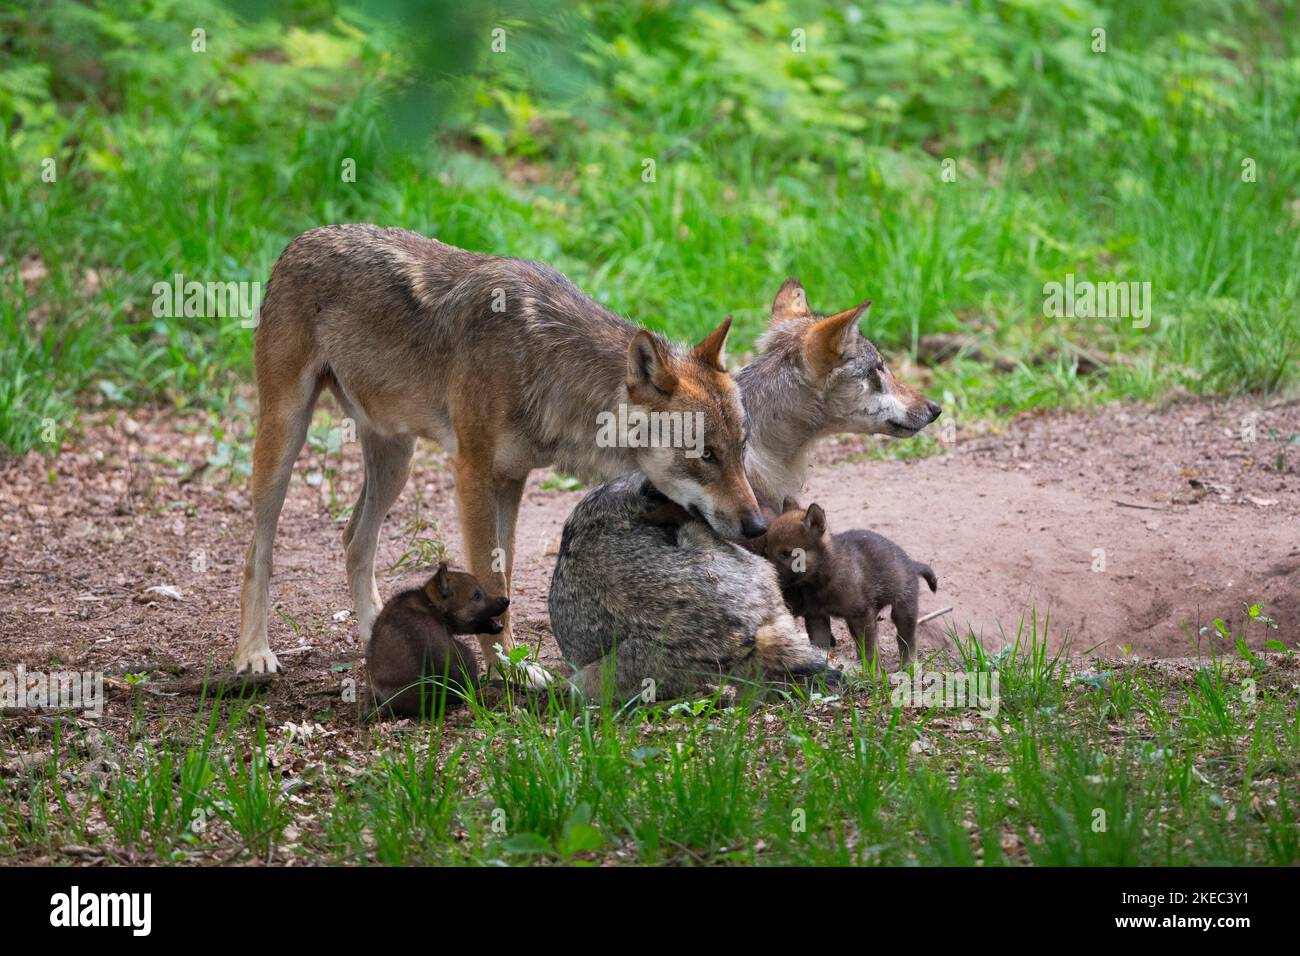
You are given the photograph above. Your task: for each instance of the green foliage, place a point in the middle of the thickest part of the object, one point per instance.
(788, 137)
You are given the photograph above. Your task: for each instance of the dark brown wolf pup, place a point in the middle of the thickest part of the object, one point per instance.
(852, 575)
(414, 660)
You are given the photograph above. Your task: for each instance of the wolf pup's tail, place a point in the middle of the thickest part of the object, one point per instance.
(925, 571)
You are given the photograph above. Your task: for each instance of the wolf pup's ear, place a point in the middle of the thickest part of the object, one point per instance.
(710, 350)
(827, 340)
(791, 302)
(790, 505)
(815, 520)
(649, 366)
(440, 582)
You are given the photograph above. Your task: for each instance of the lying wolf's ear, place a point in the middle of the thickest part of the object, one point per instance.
(826, 341)
(440, 585)
(790, 505)
(815, 520)
(710, 350)
(791, 302)
(649, 366)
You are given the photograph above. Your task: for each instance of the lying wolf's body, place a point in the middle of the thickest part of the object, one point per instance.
(678, 607)
(505, 363)
(636, 600)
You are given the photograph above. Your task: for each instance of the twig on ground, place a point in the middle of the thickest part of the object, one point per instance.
(933, 614)
(224, 684)
(1130, 504)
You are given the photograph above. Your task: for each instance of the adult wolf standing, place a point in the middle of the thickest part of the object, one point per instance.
(505, 363)
(638, 602)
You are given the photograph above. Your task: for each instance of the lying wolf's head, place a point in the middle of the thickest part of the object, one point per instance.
(839, 383)
(692, 436)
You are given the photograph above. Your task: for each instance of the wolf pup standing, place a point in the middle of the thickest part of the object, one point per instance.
(504, 363)
(643, 601)
(413, 659)
(853, 575)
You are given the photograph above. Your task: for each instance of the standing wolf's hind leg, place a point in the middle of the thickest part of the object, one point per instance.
(388, 463)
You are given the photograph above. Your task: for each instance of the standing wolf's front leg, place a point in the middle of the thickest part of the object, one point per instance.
(488, 507)
(506, 493)
(485, 555)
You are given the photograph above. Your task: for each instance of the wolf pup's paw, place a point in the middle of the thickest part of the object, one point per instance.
(257, 662)
(669, 515)
(823, 639)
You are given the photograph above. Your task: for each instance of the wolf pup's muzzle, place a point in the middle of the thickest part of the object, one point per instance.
(488, 623)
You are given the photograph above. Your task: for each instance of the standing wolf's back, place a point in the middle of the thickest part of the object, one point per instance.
(703, 607)
(428, 293)
(405, 325)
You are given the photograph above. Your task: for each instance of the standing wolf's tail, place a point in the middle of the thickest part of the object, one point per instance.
(925, 571)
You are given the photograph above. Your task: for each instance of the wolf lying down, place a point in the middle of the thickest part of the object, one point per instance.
(646, 605)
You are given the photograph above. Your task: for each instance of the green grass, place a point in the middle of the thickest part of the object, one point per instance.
(1124, 165)
(1129, 764)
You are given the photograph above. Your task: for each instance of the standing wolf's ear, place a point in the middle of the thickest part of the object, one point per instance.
(710, 350)
(791, 302)
(790, 505)
(649, 366)
(440, 584)
(815, 520)
(825, 341)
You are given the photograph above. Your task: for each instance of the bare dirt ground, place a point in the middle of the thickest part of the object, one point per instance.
(1134, 527)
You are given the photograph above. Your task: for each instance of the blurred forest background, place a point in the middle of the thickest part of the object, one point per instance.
(788, 138)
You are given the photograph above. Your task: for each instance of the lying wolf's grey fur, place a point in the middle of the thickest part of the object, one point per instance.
(711, 608)
(680, 606)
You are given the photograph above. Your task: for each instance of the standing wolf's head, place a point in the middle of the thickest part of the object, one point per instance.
(690, 408)
(816, 375)
(857, 390)
(835, 379)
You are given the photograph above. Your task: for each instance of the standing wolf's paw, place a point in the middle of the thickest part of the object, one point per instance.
(525, 674)
(533, 676)
(257, 662)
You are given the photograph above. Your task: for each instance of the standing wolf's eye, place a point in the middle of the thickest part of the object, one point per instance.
(787, 553)
(707, 454)
(478, 595)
